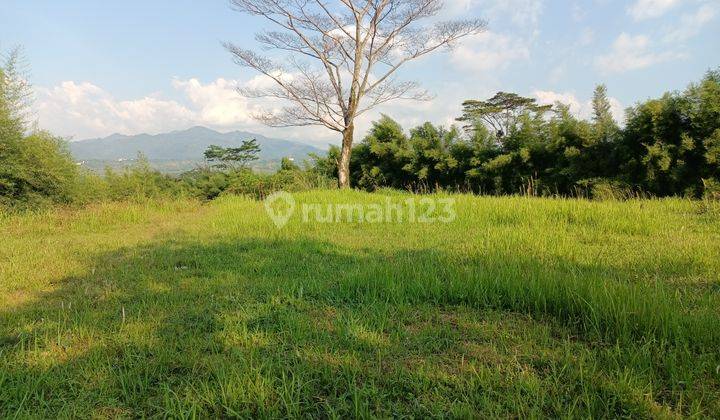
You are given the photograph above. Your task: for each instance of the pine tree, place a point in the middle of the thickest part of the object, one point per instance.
(603, 122)
(15, 90)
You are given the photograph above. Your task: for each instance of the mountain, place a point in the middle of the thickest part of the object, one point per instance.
(185, 145)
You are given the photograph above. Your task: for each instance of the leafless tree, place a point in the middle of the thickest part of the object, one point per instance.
(337, 59)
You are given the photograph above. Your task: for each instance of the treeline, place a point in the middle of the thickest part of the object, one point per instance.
(669, 146)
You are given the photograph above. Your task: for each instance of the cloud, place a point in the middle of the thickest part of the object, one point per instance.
(216, 104)
(550, 98)
(632, 53)
(519, 12)
(514, 29)
(650, 9)
(457, 8)
(489, 51)
(691, 24)
(579, 108)
(79, 110)
(84, 109)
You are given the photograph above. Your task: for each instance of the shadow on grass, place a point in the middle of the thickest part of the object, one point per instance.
(295, 328)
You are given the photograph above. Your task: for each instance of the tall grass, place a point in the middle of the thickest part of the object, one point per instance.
(520, 307)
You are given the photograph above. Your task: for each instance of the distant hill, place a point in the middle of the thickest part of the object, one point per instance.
(182, 146)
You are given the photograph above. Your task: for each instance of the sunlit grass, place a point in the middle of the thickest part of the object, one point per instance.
(521, 307)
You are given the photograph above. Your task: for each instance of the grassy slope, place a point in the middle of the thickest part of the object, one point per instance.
(523, 307)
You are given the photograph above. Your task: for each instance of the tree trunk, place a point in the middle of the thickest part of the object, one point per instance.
(344, 163)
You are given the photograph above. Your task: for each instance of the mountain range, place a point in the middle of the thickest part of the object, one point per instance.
(185, 145)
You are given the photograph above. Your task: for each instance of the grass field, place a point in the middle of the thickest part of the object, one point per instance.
(521, 307)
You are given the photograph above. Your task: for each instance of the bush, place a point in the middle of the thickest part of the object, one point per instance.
(205, 184)
(36, 170)
(208, 183)
(90, 188)
(260, 186)
(140, 182)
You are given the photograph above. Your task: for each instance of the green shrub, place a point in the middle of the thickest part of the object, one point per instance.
(90, 187)
(204, 183)
(208, 183)
(36, 170)
(140, 182)
(259, 186)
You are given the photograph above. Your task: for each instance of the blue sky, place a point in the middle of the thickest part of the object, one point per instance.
(152, 66)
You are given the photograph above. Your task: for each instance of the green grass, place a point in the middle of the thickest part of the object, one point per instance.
(520, 308)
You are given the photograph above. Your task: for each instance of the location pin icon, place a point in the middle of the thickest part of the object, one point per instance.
(280, 206)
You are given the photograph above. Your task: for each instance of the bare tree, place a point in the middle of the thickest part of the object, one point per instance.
(355, 48)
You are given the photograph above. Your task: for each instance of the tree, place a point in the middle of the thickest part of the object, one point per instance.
(15, 95)
(604, 124)
(288, 164)
(15, 88)
(35, 168)
(432, 162)
(668, 142)
(233, 157)
(355, 47)
(500, 113)
(325, 165)
(669, 146)
(382, 157)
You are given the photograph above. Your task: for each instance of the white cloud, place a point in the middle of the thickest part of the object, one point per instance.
(519, 12)
(649, 9)
(691, 24)
(579, 108)
(83, 109)
(632, 53)
(217, 103)
(489, 51)
(514, 27)
(550, 98)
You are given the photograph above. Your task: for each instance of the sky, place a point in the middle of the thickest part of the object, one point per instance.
(154, 66)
